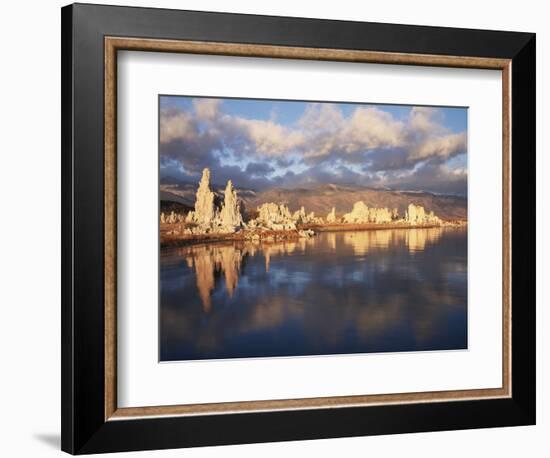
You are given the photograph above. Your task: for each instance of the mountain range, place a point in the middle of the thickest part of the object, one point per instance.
(321, 198)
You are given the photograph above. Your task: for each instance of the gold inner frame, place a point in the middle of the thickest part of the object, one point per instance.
(114, 44)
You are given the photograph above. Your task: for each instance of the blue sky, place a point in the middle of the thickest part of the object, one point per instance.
(266, 143)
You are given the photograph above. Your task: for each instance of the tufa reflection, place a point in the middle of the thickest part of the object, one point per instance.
(210, 261)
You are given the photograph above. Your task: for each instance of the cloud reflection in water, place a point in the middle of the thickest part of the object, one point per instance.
(339, 292)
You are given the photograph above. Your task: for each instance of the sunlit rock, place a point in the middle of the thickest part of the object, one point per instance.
(395, 214)
(276, 217)
(230, 218)
(359, 214)
(205, 211)
(433, 219)
(312, 219)
(171, 218)
(299, 216)
(380, 215)
(331, 217)
(207, 218)
(416, 214)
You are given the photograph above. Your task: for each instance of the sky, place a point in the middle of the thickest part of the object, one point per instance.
(260, 144)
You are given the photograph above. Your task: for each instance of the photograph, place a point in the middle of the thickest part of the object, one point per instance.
(299, 228)
(279, 227)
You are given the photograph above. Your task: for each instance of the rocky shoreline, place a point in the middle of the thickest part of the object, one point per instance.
(175, 238)
(339, 227)
(173, 235)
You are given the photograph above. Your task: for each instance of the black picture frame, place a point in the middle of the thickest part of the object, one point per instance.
(84, 428)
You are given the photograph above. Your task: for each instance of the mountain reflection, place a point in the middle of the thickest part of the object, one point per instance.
(339, 292)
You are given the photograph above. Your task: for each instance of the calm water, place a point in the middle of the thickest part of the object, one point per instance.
(340, 292)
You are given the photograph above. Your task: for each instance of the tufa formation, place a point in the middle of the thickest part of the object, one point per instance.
(208, 218)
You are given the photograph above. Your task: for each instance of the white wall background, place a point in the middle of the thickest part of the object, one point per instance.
(30, 227)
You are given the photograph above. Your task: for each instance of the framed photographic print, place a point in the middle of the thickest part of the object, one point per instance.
(281, 228)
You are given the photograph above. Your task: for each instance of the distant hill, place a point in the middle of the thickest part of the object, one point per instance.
(184, 193)
(320, 199)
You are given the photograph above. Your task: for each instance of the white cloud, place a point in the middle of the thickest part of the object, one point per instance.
(442, 147)
(425, 120)
(371, 128)
(368, 138)
(206, 109)
(268, 137)
(176, 126)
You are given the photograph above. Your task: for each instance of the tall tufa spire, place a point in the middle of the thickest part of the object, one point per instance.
(205, 211)
(230, 215)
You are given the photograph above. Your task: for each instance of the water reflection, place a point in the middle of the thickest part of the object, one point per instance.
(345, 292)
(414, 239)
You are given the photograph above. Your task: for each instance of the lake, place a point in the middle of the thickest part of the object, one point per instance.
(336, 293)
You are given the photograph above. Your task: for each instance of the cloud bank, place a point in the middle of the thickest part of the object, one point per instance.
(324, 143)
